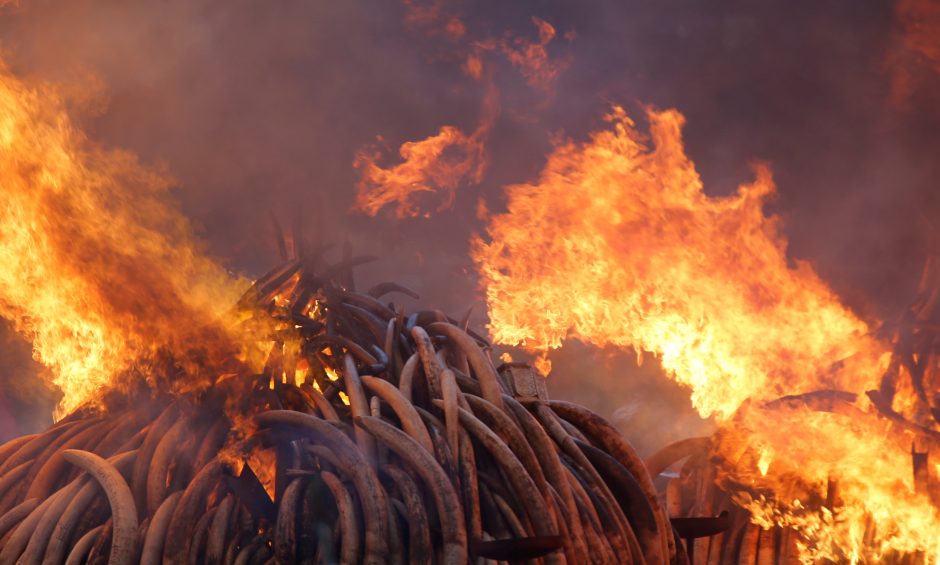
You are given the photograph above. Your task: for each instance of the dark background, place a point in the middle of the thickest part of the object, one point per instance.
(258, 106)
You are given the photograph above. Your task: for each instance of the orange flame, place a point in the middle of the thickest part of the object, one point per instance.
(99, 267)
(437, 165)
(618, 244)
(531, 58)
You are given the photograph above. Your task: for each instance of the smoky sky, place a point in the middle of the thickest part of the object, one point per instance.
(258, 108)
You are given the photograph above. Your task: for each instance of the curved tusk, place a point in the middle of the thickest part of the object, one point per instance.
(490, 385)
(448, 504)
(123, 509)
(410, 419)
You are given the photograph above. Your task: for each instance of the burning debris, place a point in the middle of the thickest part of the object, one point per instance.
(368, 435)
(730, 473)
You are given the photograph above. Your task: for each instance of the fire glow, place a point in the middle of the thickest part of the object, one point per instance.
(640, 257)
(100, 270)
(615, 244)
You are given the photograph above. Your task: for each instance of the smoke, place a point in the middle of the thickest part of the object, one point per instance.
(259, 107)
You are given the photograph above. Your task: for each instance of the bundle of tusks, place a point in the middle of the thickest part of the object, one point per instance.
(399, 442)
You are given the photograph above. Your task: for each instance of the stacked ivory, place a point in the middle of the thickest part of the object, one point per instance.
(383, 437)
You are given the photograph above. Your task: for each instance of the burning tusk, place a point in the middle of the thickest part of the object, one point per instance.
(372, 497)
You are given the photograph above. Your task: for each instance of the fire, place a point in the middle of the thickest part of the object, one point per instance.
(916, 47)
(432, 169)
(531, 57)
(877, 510)
(438, 165)
(617, 243)
(100, 269)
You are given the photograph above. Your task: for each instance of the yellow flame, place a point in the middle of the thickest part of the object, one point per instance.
(99, 267)
(617, 243)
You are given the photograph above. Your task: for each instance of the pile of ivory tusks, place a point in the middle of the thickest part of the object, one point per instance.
(403, 443)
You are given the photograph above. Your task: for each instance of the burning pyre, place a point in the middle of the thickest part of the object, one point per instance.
(730, 472)
(370, 435)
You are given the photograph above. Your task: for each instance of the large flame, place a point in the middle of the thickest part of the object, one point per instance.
(99, 267)
(617, 244)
